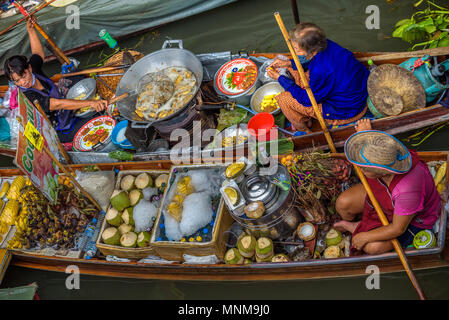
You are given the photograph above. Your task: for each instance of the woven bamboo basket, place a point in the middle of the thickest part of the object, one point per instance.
(115, 60)
(119, 251)
(174, 250)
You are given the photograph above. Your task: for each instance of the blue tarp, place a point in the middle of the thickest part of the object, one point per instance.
(118, 17)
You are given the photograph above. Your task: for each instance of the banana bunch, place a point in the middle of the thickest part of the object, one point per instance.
(16, 241)
(22, 220)
(10, 212)
(29, 196)
(15, 188)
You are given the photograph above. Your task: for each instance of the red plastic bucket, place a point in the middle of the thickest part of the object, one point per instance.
(262, 127)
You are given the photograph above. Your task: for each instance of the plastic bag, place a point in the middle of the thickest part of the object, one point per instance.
(200, 260)
(264, 78)
(99, 185)
(11, 118)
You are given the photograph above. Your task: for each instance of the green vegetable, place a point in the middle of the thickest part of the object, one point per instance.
(121, 155)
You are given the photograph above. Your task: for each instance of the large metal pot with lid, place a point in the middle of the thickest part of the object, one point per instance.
(155, 62)
(281, 217)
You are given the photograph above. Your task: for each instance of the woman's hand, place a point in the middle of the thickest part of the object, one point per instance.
(99, 105)
(30, 23)
(279, 63)
(272, 73)
(360, 240)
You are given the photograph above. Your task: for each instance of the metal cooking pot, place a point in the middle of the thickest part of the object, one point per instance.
(154, 62)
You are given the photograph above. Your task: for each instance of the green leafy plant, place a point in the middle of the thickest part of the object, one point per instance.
(427, 28)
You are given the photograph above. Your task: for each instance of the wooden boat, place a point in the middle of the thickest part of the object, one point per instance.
(142, 16)
(405, 122)
(311, 269)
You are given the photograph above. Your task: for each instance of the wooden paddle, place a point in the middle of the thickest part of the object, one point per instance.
(404, 55)
(58, 76)
(57, 50)
(24, 18)
(373, 199)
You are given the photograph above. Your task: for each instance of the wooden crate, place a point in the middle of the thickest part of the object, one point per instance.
(119, 251)
(174, 250)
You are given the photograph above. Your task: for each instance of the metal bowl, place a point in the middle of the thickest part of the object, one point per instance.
(86, 114)
(266, 89)
(87, 86)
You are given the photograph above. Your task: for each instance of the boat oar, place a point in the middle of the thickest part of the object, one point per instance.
(395, 242)
(305, 82)
(57, 50)
(24, 18)
(370, 193)
(58, 76)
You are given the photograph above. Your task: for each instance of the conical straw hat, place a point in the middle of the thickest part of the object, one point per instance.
(394, 90)
(377, 149)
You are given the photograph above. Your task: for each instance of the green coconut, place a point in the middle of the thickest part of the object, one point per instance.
(127, 216)
(127, 182)
(280, 257)
(333, 252)
(120, 200)
(135, 196)
(143, 239)
(111, 236)
(306, 231)
(233, 256)
(333, 237)
(113, 217)
(161, 181)
(264, 247)
(143, 181)
(265, 259)
(124, 228)
(247, 246)
(129, 240)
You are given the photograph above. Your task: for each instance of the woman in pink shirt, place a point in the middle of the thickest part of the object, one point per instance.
(401, 183)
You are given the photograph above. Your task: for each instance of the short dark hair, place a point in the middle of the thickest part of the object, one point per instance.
(309, 37)
(16, 64)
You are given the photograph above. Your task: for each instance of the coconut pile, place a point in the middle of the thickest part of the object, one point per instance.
(133, 210)
(190, 206)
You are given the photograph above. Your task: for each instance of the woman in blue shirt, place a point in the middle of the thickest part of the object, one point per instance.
(337, 80)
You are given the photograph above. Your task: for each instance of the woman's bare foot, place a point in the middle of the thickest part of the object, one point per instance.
(344, 225)
(363, 125)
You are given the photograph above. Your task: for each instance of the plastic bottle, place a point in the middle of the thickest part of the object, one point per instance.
(371, 65)
(111, 42)
(92, 231)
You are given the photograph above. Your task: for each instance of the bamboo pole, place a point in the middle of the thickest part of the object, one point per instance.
(306, 83)
(61, 149)
(24, 18)
(370, 193)
(58, 51)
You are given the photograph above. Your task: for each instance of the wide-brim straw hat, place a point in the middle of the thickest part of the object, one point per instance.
(394, 90)
(377, 149)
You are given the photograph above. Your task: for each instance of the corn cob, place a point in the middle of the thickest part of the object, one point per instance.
(3, 228)
(15, 188)
(10, 212)
(5, 189)
(440, 174)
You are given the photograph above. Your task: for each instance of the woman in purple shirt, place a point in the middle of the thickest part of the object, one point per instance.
(337, 80)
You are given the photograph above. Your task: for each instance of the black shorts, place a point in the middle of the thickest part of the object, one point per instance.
(406, 239)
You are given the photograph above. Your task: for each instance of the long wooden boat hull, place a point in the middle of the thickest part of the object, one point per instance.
(312, 269)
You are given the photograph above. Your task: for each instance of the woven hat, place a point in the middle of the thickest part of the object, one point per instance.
(394, 90)
(377, 149)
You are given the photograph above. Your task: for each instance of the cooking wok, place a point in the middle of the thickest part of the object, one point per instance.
(154, 62)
